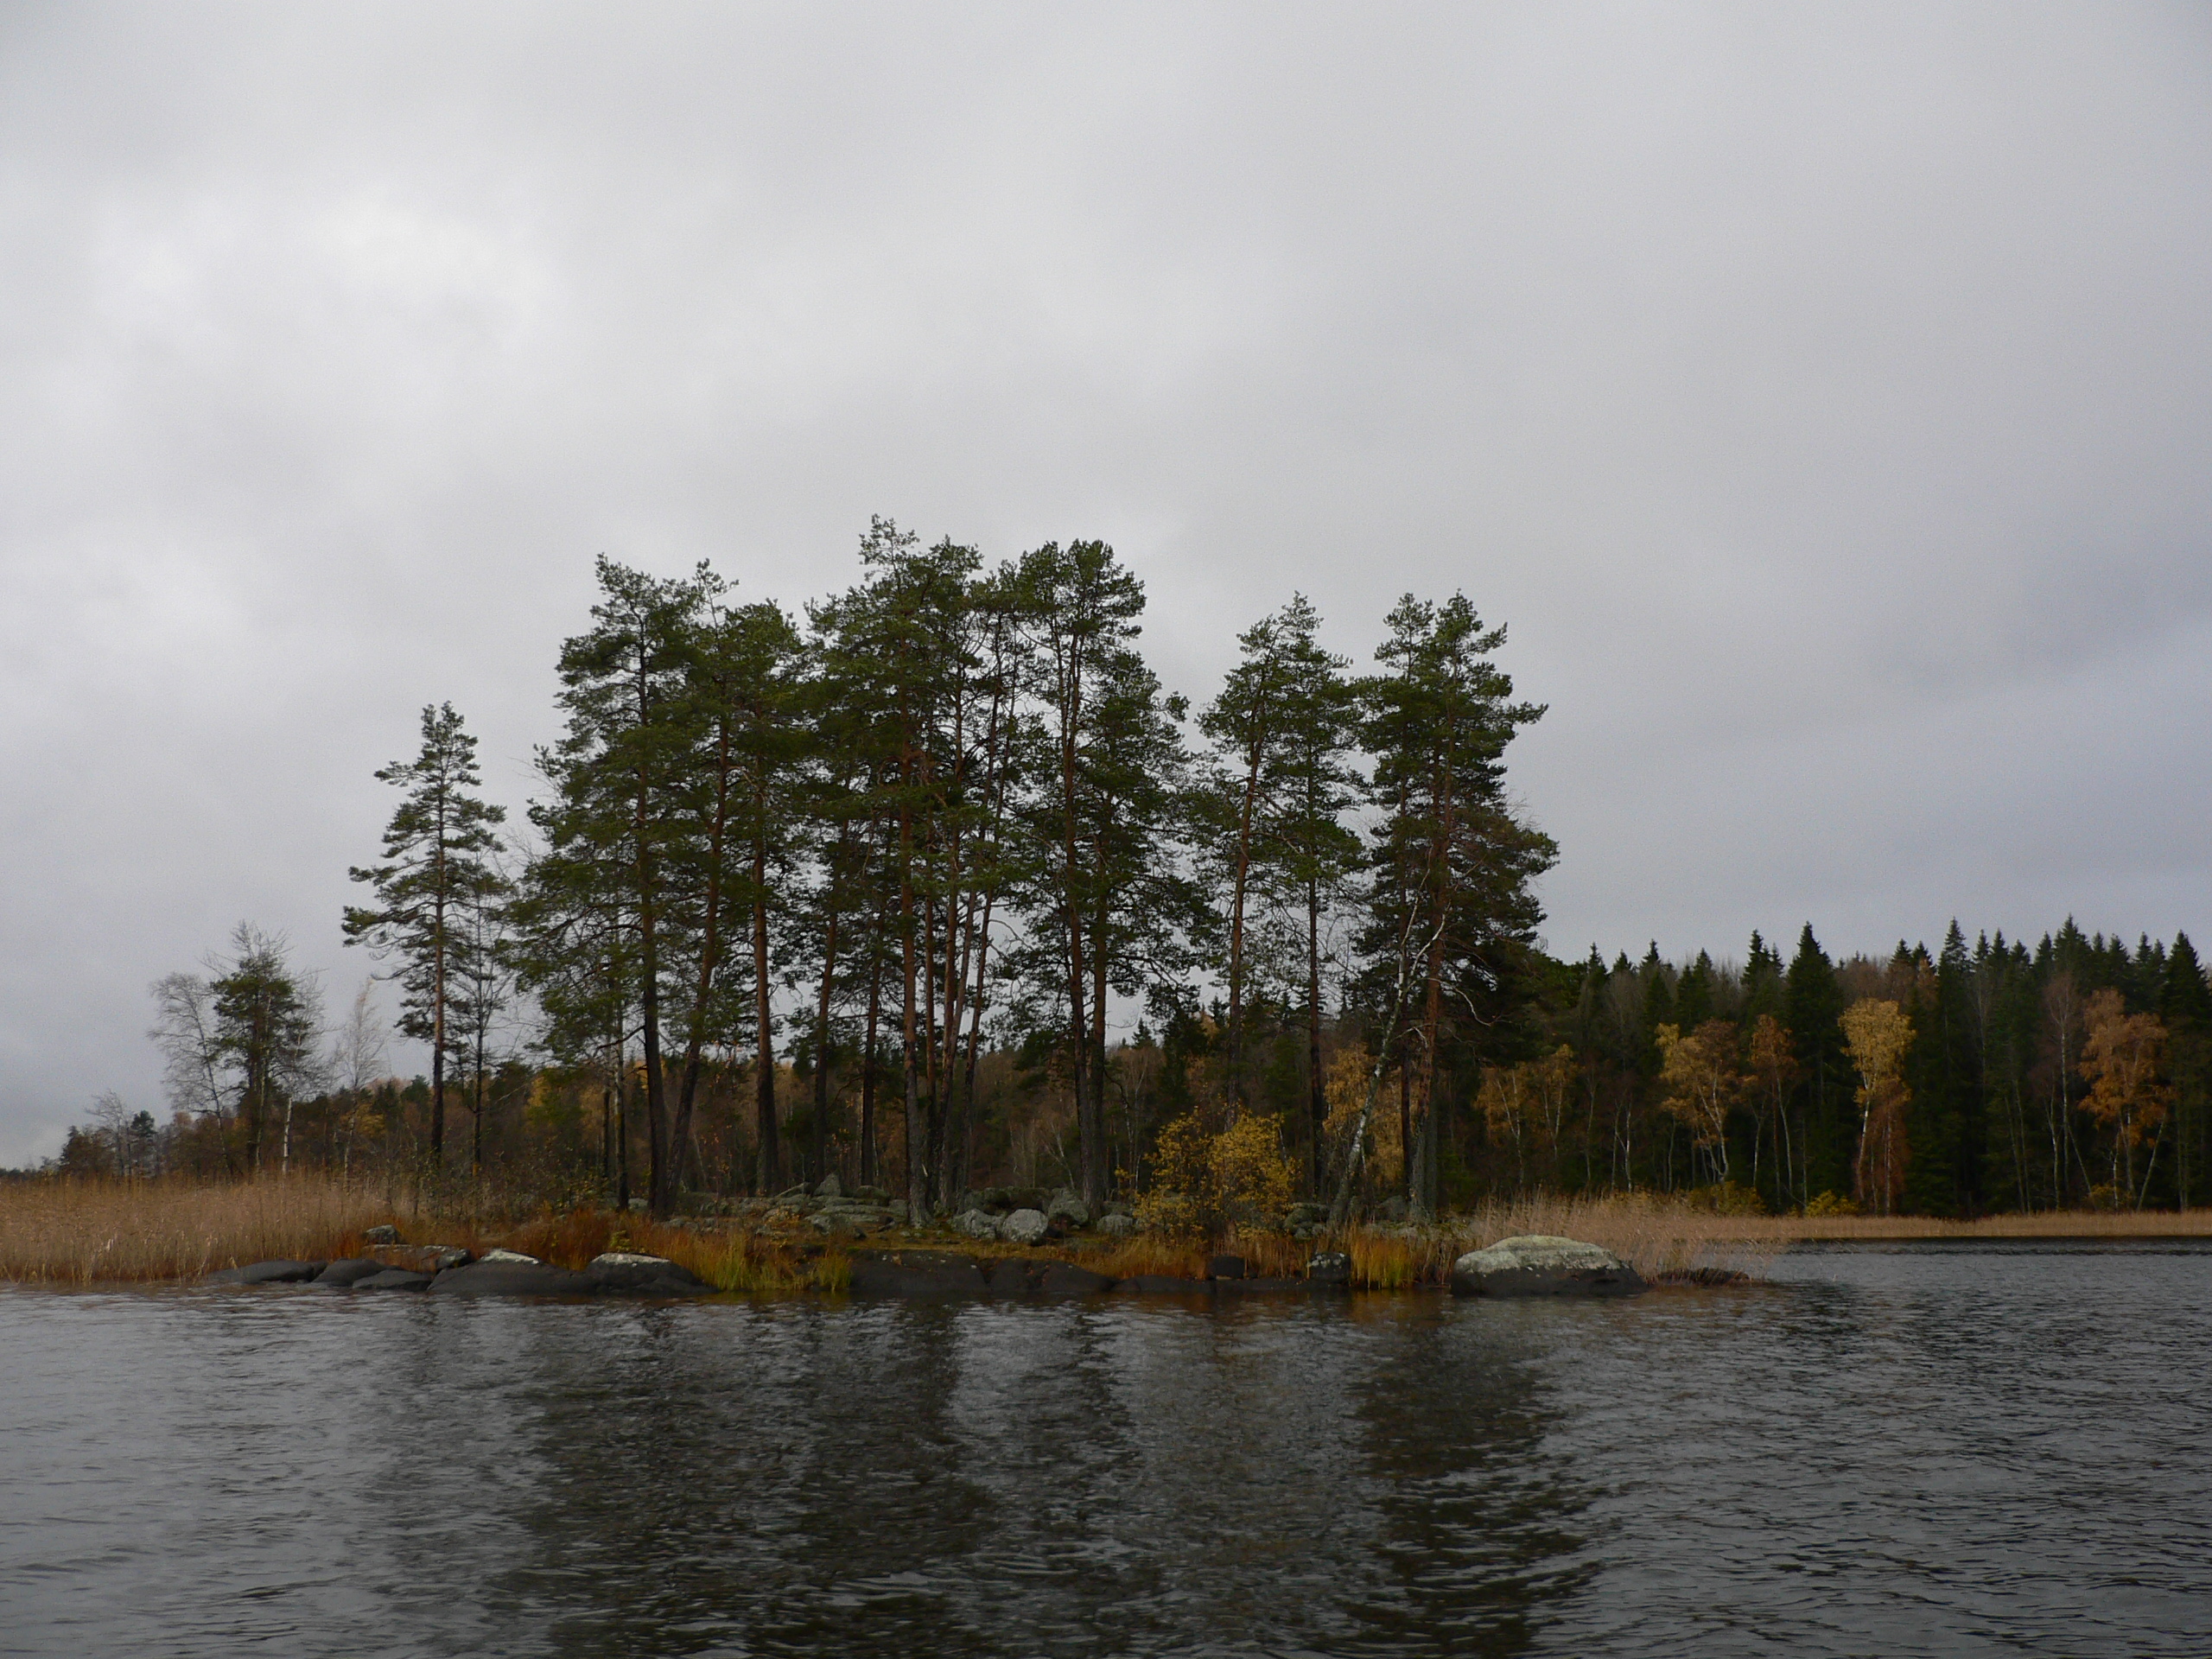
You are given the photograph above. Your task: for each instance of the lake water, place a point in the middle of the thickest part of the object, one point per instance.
(1915, 1450)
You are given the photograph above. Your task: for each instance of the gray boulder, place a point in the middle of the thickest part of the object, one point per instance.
(269, 1273)
(1539, 1264)
(632, 1274)
(344, 1275)
(1068, 1211)
(514, 1256)
(975, 1223)
(511, 1279)
(1025, 1275)
(1158, 1284)
(1329, 1267)
(830, 1187)
(383, 1234)
(919, 1275)
(1025, 1227)
(398, 1279)
(424, 1258)
(1114, 1226)
(1066, 1278)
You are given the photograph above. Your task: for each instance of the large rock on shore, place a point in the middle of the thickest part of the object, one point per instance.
(397, 1279)
(919, 1275)
(421, 1258)
(271, 1273)
(511, 1279)
(1540, 1264)
(1160, 1284)
(1329, 1268)
(1066, 1209)
(627, 1273)
(344, 1275)
(1025, 1227)
(503, 1273)
(850, 1218)
(1023, 1275)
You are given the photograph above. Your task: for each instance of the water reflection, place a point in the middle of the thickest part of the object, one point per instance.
(1912, 1452)
(1476, 1534)
(1028, 1480)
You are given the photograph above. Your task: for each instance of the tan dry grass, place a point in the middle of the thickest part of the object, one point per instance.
(89, 1232)
(1151, 1254)
(82, 1232)
(2056, 1224)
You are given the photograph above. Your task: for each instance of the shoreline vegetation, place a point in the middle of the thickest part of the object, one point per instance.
(89, 1232)
(932, 889)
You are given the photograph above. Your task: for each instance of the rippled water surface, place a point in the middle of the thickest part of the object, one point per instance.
(1887, 1451)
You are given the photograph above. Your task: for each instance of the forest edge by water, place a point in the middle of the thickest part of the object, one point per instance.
(86, 1232)
(867, 898)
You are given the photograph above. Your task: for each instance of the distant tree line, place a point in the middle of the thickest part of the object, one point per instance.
(878, 889)
(1979, 1077)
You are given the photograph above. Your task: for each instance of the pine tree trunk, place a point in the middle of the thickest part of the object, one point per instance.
(771, 1162)
(1317, 1099)
(869, 1169)
(918, 1208)
(818, 1154)
(1233, 1084)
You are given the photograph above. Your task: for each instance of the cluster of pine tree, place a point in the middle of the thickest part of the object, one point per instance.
(874, 890)
(877, 891)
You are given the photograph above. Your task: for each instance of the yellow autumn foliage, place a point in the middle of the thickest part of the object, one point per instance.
(1206, 1183)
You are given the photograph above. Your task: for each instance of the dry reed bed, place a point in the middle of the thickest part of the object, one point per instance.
(2057, 1223)
(86, 1232)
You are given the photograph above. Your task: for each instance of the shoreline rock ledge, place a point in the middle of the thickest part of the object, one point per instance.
(1541, 1264)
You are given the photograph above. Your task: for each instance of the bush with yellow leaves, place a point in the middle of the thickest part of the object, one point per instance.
(1205, 1183)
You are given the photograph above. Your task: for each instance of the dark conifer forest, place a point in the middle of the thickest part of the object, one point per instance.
(934, 886)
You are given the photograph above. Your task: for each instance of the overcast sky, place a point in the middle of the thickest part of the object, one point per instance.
(1823, 395)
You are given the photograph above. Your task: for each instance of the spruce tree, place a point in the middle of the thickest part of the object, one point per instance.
(2185, 1006)
(437, 869)
(268, 1021)
(1814, 1005)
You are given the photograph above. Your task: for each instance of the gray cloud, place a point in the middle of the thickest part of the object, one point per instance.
(1822, 395)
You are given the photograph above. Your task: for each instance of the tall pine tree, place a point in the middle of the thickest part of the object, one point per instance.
(437, 876)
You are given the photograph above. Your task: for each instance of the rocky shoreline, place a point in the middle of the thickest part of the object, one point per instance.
(449, 1271)
(1522, 1267)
